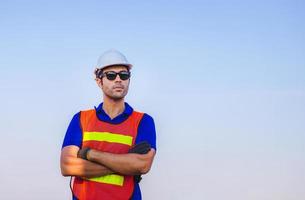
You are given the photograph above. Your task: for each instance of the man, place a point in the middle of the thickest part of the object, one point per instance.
(107, 148)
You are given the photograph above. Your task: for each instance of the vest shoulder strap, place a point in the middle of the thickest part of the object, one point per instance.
(85, 117)
(138, 117)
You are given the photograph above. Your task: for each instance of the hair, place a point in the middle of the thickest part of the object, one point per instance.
(98, 73)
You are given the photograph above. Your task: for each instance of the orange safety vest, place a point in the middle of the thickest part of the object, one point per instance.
(112, 138)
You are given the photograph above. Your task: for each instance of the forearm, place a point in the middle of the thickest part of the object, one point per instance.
(72, 166)
(127, 164)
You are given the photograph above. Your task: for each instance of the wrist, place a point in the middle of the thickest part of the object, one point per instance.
(90, 155)
(82, 153)
(86, 153)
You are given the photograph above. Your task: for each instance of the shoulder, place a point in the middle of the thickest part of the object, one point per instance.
(144, 116)
(147, 118)
(87, 111)
(76, 117)
(73, 134)
(86, 116)
(147, 131)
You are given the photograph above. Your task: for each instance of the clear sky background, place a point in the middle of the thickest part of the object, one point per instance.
(224, 81)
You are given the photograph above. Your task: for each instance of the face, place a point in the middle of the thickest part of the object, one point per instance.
(114, 89)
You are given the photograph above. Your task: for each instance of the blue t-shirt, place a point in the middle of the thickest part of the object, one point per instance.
(146, 132)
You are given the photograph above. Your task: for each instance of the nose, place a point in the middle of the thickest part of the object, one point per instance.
(117, 78)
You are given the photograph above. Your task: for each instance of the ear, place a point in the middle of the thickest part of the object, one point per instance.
(99, 82)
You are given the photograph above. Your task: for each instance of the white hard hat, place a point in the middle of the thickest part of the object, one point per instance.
(112, 57)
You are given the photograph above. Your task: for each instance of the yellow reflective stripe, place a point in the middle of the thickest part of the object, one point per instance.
(108, 137)
(113, 179)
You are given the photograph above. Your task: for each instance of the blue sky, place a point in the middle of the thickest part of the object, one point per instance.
(224, 81)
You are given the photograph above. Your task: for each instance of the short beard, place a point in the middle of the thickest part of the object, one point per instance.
(116, 98)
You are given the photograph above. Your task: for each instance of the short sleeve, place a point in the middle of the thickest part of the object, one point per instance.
(74, 133)
(147, 131)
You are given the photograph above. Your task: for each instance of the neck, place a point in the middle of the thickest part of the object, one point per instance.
(113, 107)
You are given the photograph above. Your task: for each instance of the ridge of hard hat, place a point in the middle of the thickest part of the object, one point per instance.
(112, 57)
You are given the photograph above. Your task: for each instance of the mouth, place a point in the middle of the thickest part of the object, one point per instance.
(118, 88)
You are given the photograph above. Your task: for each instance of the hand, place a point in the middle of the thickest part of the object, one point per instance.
(82, 153)
(141, 148)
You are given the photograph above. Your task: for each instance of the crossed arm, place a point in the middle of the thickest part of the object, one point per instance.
(103, 163)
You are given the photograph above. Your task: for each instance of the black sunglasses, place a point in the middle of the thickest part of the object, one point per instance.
(111, 75)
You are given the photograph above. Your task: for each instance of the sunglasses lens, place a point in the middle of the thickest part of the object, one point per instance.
(111, 75)
(124, 75)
